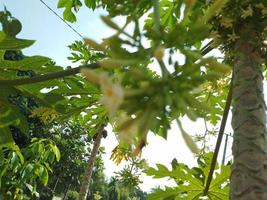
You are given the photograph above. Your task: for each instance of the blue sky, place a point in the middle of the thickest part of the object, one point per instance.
(51, 34)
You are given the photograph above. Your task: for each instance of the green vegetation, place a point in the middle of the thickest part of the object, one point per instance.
(50, 115)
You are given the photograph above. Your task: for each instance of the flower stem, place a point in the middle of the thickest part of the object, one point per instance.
(156, 14)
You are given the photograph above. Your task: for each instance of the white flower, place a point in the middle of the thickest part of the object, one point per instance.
(90, 75)
(128, 133)
(247, 13)
(126, 127)
(113, 94)
(232, 37)
(227, 22)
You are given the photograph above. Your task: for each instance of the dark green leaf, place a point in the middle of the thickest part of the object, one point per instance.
(35, 63)
(62, 3)
(9, 43)
(90, 3)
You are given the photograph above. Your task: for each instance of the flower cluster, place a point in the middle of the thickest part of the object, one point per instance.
(232, 37)
(247, 12)
(45, 114)
(113, 94)
(227, 22)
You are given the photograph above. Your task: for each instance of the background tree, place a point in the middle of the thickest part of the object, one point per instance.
(70, 137)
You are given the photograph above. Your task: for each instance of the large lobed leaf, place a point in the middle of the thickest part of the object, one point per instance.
(191, 181)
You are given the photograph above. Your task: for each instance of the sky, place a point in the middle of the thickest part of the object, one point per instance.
(52, 38)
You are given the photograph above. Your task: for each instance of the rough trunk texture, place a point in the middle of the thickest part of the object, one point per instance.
(249, 170)
(89, 168)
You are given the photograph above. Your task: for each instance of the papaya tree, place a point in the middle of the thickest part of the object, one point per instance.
(238, 28)
(241, 28)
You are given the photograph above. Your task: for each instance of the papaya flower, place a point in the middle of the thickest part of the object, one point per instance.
(247, 13)
(125, 126)
(159, 53)
(208, 86)
(260, 6)
(113, 94)
(232, 37)
(128, 133)
(227, 22)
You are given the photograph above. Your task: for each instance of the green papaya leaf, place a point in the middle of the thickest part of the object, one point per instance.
(2, 36)
(69, 15)
(11, 43)
(35, 63)
(62, 3)
(13, 28)
(12, 116)
(190, 183)
(162, 194)
(90, 3)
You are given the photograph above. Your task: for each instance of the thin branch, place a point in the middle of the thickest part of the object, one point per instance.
(219, 139)
(46, 77)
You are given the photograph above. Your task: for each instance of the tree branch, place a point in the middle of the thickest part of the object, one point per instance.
(219, 139)
(46, 77)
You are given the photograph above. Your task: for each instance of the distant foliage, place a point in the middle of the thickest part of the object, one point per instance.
(72, 195)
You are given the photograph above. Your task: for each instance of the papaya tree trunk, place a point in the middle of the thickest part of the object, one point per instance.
(89, 168)
(249, 169)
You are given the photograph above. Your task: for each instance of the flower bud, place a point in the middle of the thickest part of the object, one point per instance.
(111, 63)
(90, 75)
(214, 9)
(159, 53)
(94, 45)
